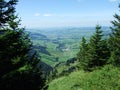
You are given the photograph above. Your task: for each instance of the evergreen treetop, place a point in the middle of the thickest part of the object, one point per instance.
(114, 41)
(95, 53)
(7, 9)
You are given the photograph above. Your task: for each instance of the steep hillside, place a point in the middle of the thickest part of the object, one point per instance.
(64, 68)
(45, 68)
(108, 78)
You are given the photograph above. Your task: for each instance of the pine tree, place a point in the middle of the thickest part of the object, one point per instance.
(6, 11)
(18, 61)
(98, 51)
(81, 56)
(114, 41)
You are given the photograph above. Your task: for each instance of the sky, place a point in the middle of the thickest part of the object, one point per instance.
(63, 13)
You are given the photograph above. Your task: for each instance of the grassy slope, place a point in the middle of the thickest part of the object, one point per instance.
(106, 79)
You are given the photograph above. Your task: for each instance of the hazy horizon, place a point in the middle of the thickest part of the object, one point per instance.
(66, 27)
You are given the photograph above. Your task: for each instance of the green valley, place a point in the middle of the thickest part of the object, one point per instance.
(60, 44)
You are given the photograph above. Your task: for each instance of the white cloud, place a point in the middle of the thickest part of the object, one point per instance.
(113, 0)
(47, 15)
(37, 14)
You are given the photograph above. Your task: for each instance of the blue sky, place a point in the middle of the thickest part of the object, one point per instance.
(57, 13)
